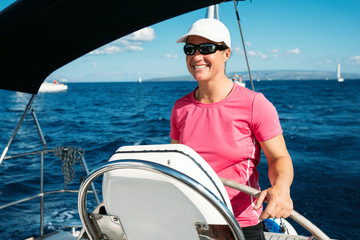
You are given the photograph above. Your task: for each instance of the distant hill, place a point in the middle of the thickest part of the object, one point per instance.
(297, 75)
(171, 79)
(274, 75)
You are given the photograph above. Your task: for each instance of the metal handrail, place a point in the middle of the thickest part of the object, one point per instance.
(27, 108)
(45, 151)
(38, 195)
(159, 169)
(42, 159)
(42, 192)
(314, 230)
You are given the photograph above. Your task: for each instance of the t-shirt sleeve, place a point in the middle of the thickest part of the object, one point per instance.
(174, 132)
(265, 119)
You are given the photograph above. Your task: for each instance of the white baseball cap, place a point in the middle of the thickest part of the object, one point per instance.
(209, 28)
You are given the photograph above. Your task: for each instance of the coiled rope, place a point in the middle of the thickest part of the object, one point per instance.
(69, 156)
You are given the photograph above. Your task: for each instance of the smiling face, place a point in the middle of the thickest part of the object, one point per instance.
(206, 67)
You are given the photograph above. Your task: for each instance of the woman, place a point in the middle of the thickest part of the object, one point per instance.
(228, 125)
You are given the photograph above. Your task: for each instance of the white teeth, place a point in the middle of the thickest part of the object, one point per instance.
(198, 67)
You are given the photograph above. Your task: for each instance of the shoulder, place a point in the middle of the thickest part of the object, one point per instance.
(245, 95)
(251, 96)
(183, 101)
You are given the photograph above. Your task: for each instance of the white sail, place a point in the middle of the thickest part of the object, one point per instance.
(340, 79)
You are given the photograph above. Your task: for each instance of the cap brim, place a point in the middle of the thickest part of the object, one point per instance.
(211, 38)
(182, 39)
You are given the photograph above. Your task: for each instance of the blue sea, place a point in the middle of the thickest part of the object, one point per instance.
(320, 119)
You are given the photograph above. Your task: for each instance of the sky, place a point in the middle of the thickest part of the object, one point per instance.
(312, 35)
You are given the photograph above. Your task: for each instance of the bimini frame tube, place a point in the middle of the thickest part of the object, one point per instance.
(28, 106)
(43, 141)
(162, 170)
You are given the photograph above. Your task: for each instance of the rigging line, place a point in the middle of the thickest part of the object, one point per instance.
(243, 43)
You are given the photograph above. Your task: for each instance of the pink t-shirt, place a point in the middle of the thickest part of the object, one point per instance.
(226, 135)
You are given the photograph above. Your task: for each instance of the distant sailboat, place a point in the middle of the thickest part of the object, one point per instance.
(340, 79)
(140, 80)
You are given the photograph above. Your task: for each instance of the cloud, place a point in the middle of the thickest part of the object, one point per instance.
(294, 51)
(108, 49)
(131, 42)
(122, 41)
(171, 56)
(237, 50)
(146, 35)
(329, 61)
(257, 54)
(252, 53)
(134, 48)
(326, 61)
(248, 43)
(355, 60)
(275, 52)
(94, 65)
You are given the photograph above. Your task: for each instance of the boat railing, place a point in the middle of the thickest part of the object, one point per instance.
(297, 217)
(42, 153)
(43, 193)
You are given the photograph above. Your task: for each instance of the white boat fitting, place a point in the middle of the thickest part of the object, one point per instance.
(145, 189)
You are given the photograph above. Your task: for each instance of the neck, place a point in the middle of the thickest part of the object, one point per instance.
(213, 91)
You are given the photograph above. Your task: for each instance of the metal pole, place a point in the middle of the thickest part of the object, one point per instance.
(243, 43)
(28, 106)
(30, 153)
(42, 195)
(92, 184)
(38, 128)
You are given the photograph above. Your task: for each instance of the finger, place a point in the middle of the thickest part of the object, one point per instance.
(283, 209)
(260, 200)
(287, 212)
(269, 211)
(279, 213)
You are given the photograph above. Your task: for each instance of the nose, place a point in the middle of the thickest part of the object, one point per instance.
(197, 54)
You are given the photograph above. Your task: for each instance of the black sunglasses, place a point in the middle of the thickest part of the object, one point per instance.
(204, 48)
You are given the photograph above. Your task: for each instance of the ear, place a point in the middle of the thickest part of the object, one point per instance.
(226, 54)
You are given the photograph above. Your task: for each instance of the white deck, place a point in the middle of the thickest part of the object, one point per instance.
(279, 236)
(268, 236)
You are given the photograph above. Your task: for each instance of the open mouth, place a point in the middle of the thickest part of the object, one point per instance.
(200, 66)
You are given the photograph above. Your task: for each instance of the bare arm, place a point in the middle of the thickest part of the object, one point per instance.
(281, 175)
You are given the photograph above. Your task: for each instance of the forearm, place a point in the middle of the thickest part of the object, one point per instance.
(281, 172)
(280, 175)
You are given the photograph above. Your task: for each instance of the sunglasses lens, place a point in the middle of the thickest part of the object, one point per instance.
(189, 49)
(204, 48)
(207, 48)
